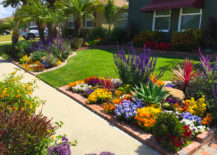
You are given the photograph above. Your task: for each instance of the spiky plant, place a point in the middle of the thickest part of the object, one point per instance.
(150, 94)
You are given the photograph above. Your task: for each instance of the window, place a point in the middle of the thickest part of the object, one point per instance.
(161, 20)
(88, 22)
(71, 23)
(190, 18)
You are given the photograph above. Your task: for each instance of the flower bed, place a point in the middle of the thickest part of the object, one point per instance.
(139, 103)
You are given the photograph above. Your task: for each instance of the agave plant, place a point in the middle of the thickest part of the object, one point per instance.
(150, 94)
(183, 74)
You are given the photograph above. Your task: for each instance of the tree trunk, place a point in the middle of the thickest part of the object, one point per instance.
(109, 31)
(15, 37)
(77, 28)
(50, 25)
(41, 32)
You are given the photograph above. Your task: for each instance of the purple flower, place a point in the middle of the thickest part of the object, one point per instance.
(191, 117)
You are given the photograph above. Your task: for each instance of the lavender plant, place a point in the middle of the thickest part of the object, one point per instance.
(134, 69)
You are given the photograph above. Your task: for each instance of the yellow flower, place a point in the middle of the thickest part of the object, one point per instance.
(52, 136)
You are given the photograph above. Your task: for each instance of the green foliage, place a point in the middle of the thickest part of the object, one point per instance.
(17, 94)
(38, 55)
(118, 35)
(169, 131)
(188, 40)
(150, 94)
(61, 50)
(97, 33)
(147, 36)
(76, 43)
(23, 48)
(52, 60)
(24, 60)
(126, 88)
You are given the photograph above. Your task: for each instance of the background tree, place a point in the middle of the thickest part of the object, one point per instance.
(13, 3)
(111, 13)
(80, 9)
(37, 12)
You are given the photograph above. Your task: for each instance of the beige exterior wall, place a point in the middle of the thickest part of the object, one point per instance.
(121, 3)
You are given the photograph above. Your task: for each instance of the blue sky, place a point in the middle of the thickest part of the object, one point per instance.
(5, 12)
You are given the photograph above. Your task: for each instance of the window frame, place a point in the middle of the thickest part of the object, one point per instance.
(188, 14)
(85, 22)
(159, 16)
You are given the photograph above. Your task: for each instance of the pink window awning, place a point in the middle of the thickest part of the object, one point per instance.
(171, 4)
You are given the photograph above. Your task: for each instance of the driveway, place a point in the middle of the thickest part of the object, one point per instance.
(93, 133)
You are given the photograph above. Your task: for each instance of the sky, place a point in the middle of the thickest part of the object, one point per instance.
(5, 12)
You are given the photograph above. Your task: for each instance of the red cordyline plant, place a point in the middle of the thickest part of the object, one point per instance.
(107, 83)
(183, 74)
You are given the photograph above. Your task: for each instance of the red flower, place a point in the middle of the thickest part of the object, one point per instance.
(175, 138)
(177, 144)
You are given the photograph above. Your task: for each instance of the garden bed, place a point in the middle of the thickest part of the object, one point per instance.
(201, 139)
(46, 70)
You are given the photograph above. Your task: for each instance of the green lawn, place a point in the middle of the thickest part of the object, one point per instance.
(96, 62)
(8, 38)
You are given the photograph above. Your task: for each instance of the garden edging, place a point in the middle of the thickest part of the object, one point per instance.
(201, 139)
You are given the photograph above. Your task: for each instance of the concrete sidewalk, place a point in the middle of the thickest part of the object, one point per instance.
(93, 133)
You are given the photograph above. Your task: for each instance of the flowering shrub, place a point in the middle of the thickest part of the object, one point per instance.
(133, 69)
(18, 94)
(25, 59)
(99, 96)
(110, 107)
(146, 117)
(127, 110)
(38, 67)
(73, 84)
(158, 46)
(195, 107)
(172, 134)
(80, 88)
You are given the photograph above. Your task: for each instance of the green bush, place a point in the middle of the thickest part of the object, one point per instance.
(23, 48)
(97, 33)
(38, 55)
(118, 35)
(188, 40)
(147, 36)
(76, 43)
(61, 50)
(172, 134)
(52, 61)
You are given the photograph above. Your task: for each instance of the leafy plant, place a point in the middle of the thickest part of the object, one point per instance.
(97, 33)
(23, 47)
(172, 134)
(133, 69)
(23, 133)
(118, 35)
(38, 55)
(51, 60)
(76, 43)
(183, 74)
(150, 94)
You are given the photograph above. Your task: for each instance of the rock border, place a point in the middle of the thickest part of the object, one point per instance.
(46, 70)
(146, 138)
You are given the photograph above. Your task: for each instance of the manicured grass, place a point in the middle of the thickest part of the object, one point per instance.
(8, 38)
(97, 62)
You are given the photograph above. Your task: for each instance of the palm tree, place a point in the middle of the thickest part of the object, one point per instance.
(80, 9)
(35, 11)
(112, 12)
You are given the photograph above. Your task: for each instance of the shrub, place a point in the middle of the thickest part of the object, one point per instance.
(210, 33)
(184, 74)
(133, 69)
(23, 48)
(97, 33)
(147, 36)
(76, 43)
(150, 94)
(188, 40)
(172, 134)
(25, 59)
(99, 96)
(38, 55)
(127, 109)
(51, 60)
(146, 117)
(22, 133)
(118, 35)
(38, 67)
(17, 94)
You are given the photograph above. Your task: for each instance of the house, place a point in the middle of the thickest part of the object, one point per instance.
(170, 15)
(100, 19)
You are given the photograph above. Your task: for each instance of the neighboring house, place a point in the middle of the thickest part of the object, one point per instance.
(100, 19)
(170, 15)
